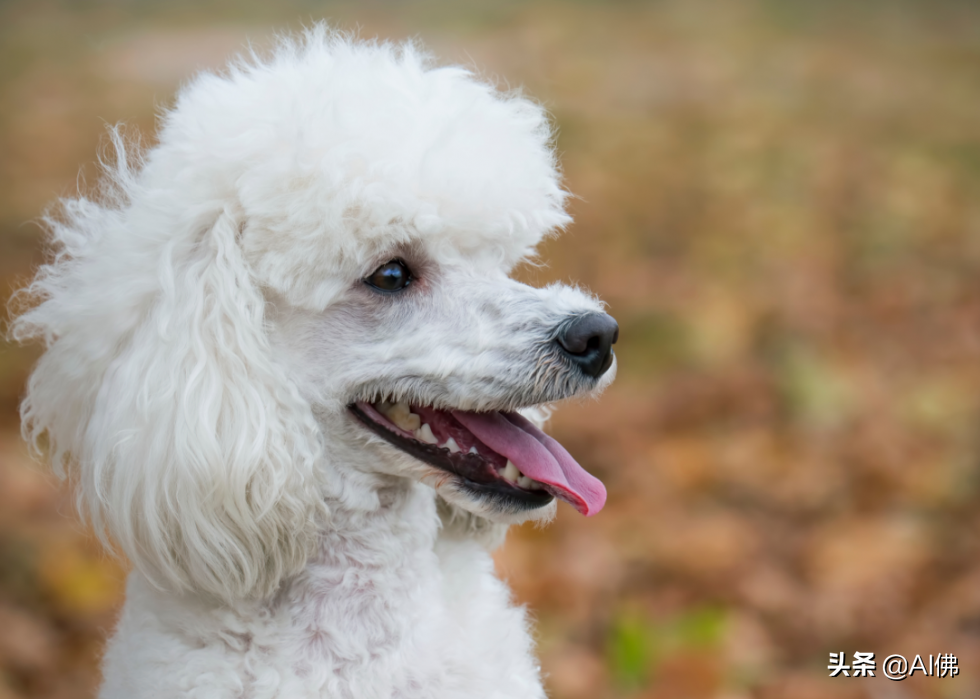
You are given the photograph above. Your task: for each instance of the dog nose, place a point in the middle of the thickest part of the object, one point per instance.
(587, 340)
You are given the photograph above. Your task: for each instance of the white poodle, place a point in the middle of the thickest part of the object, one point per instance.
(290, 378)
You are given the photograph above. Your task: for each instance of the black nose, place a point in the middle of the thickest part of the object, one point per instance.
(587, 340)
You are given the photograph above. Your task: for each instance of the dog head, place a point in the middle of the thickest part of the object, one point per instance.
(307, 278)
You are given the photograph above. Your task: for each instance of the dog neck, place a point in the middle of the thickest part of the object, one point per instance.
(392, 519)
(372, 581)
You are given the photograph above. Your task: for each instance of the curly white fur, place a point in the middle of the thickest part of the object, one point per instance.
(206, 329)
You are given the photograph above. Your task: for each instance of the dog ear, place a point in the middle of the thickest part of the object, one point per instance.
(185, 440)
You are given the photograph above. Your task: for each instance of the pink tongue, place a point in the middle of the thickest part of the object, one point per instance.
(537, 456)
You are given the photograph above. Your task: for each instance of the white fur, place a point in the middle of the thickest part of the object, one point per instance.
(206, 327)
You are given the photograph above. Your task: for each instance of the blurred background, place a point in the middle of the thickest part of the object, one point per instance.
(779, 201)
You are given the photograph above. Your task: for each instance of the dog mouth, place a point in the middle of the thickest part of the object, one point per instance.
(496, 454)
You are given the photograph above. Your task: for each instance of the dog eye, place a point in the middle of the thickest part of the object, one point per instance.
(391, 276)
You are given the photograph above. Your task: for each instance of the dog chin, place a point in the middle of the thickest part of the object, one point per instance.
(493, 509)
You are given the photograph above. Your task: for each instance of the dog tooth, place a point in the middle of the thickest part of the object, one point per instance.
(525, 482)
(451, 445)
(536, 485)
(473, 450)
(424, 434)
(510, 472)
(403, 417)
